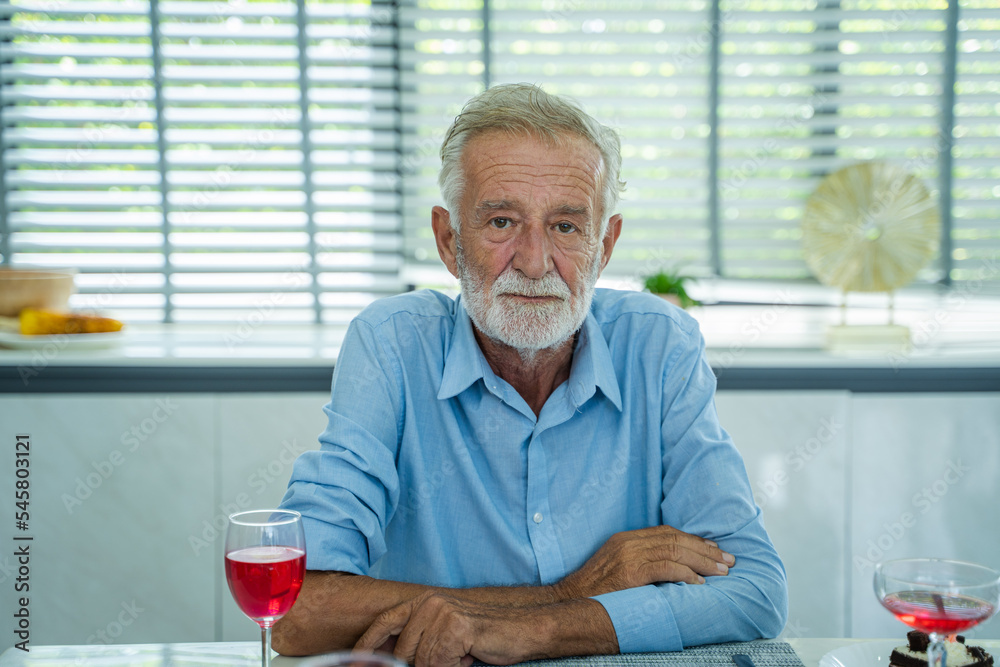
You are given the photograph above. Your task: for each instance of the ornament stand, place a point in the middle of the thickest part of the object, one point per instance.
(847, 338)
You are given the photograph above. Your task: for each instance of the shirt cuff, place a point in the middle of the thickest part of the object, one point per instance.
(643, 620)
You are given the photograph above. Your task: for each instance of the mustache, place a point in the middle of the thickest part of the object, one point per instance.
(513, 282)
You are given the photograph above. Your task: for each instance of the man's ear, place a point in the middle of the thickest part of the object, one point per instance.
(445, 237)
(611, 238)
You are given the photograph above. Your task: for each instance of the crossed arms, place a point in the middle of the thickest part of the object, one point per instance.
(426, 625)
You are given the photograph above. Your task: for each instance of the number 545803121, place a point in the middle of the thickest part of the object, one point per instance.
(22, 483)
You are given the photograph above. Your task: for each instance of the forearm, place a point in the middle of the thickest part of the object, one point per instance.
(511, 596)
(334, 609)
(575, 627)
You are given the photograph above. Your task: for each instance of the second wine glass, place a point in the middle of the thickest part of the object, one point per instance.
(938, 597)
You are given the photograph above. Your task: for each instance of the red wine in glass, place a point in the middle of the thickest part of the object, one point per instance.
(935, 613)
(265, 565)
(939, 597)
(265, 581)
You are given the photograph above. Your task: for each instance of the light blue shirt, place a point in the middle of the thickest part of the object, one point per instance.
(434, 470)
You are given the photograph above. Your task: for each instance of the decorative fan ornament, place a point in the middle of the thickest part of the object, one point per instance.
(869, 227)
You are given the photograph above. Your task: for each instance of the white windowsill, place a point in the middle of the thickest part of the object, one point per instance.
(946, 332)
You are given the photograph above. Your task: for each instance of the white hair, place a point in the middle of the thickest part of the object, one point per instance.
(521, 108)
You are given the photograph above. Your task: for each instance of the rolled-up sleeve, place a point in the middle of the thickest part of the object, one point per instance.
(348, 490)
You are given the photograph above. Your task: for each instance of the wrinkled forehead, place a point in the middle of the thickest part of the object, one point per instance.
(567, 162)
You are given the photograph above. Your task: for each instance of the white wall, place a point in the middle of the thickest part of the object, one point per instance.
(847, 480)
(133, 557)
(134, 550)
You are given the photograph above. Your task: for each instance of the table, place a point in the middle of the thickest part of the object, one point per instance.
(247, 654)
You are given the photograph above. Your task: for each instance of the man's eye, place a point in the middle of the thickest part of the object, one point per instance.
(500, 223)
(566, 227)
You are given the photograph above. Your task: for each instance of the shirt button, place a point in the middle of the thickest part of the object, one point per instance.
(537, 518)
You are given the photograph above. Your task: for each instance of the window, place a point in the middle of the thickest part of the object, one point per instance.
(202, 161)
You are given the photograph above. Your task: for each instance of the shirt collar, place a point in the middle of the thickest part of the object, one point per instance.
(592, 365)
(464, 363)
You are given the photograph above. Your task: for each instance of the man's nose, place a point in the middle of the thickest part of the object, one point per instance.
(533, 254)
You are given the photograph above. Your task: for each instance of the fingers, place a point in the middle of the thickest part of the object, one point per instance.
(408, 643)
(386, 625)
(720, 556)
(443, 644)
(697, 562)
(699, 545)
(421, 632)
(668, 554)
(679, 564)
(658, 571)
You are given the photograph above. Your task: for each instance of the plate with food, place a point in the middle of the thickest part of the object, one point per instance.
(962, 652)
(40, 329)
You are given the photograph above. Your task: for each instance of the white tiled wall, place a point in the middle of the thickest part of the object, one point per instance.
(901, 475)
(259, 439)
(116, 482)
(927, 483)
(833, 472)
(796, 448)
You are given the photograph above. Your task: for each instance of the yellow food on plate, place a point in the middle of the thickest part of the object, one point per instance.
(37, 322)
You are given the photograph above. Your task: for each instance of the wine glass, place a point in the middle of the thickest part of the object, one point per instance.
(938, 597)
(265, 563)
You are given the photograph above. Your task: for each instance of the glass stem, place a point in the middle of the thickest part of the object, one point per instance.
(935, 651)
(265, 646)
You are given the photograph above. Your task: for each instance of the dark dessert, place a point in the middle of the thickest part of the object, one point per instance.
(914, 654)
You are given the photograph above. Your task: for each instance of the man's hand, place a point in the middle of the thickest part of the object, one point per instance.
(646, 556)
(440, 630)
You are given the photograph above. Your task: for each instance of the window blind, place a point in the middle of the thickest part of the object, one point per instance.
(635, 66)
(808, 88)
(206, 161)
(976, 193)
(732, 111)
(219, 161)
(641, 68)
(441, 68)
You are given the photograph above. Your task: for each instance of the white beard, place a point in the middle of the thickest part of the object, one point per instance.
(526, 327)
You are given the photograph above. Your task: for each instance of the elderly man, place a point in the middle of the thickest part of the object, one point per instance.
(534, 469)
